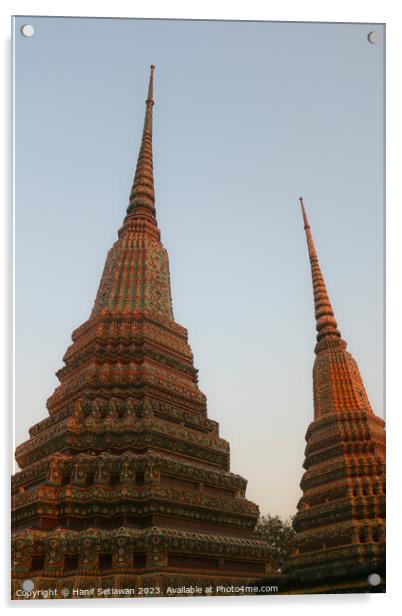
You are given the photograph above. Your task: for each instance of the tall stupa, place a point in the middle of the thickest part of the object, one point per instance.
(126, 484)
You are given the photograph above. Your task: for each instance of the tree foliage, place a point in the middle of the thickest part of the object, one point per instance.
(278, 533)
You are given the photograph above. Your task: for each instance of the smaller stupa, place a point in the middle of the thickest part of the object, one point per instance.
(340, 523)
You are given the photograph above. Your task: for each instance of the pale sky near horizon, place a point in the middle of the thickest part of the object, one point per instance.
(247, 117)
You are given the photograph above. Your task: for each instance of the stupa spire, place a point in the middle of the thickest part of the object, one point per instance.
(143, 192)
(326, 325)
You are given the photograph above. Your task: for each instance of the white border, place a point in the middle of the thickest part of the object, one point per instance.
(385, 11)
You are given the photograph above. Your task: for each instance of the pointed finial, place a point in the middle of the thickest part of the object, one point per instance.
(304, 213)
(326, 324)
(310, 243)
(151, 85)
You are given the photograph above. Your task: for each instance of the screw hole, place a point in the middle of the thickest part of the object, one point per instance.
(373, 37)
(27, 30)
(374, 579)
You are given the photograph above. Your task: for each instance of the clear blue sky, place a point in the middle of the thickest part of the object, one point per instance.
(247, 117)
